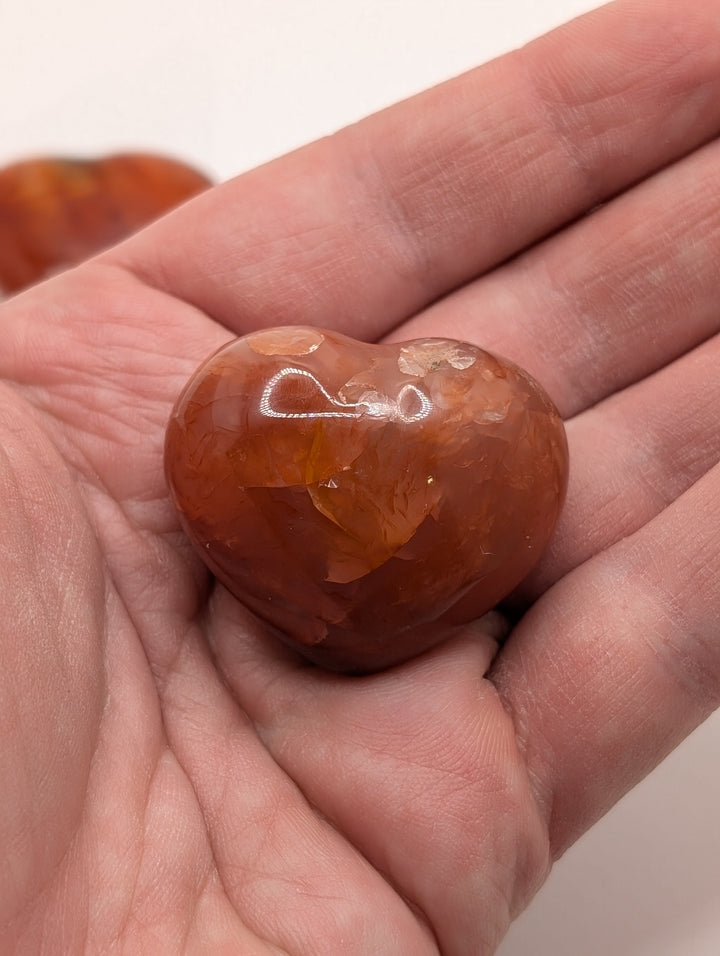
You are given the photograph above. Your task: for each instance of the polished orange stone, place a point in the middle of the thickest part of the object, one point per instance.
(56, 212)
(365, 500)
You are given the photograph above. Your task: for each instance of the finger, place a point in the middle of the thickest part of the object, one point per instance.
(363, 229)
(609, 300)
(632, 456)
(618, 662)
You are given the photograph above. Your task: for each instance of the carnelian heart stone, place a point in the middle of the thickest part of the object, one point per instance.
(56, 212)
(365, 500)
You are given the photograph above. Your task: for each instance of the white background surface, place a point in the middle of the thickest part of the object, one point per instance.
(227, 84)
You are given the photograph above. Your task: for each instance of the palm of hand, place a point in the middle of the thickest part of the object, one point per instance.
(176, 780)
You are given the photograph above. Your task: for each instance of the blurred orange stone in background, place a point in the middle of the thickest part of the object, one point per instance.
(364, 500)
(56, 212)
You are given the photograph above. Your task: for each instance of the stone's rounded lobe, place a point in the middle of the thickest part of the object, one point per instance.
(365, 500)
(56, 212)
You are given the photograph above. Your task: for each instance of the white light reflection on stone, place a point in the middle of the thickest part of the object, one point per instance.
(370, 403)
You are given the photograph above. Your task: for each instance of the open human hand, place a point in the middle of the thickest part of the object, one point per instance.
(171, 779)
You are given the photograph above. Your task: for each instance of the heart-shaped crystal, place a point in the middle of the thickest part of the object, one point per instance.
(365, 500)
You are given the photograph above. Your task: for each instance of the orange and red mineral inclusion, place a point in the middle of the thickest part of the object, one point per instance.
(365, 500)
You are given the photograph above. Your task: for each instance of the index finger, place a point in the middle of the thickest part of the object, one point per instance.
(361, 230)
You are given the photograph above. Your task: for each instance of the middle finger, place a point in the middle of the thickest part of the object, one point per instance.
(608, 301)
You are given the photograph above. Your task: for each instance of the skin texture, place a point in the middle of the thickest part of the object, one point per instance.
(170, 780)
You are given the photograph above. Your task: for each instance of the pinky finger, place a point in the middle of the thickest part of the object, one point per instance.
(618, 662)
